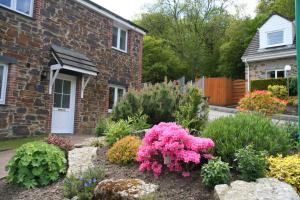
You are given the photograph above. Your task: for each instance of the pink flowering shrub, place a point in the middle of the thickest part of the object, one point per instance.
(168, 144)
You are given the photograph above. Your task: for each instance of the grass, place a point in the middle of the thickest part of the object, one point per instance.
(15, 143)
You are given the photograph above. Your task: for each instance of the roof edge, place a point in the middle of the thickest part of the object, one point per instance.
(96, 7)
(272, 56)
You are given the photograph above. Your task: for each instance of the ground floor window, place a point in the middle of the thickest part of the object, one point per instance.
(115, 94)
(3, 82)
(280, 73)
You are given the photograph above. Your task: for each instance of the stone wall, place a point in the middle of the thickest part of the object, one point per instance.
(71, 25)
(258, 69)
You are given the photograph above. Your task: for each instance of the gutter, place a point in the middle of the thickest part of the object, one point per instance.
(248, 75)
(271, 56)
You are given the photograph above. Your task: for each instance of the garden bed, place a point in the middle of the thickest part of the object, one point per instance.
(171, 185)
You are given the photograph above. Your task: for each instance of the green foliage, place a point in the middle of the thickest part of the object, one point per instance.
(235, 132)
(158, 102)
(263, 84)
(292, 129)
(138, 122)
(251, 164)
(192, 112)
(128, 106)
(283, 7)
(36, 164)
(117, 130)
(215, 172)
(102, 126)
(83, 186)
(278, 91)
(160, 61)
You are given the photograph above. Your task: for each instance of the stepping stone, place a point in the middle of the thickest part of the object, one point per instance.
(262, 189)
(123, 189)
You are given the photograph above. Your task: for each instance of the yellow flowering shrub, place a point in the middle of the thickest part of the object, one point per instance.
(286, 169)
(124, 150)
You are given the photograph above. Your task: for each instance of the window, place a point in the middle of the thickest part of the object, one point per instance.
(119, 39)
(21, 6)
(276, 73)
(275, 38)
(3, 82)
(62, 92)
(115, 94)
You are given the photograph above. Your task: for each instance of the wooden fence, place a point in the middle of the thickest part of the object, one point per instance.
(223, 91)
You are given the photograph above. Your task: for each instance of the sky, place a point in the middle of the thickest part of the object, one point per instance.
(129, 9)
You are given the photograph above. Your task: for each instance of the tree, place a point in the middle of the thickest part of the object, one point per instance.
(159, 60)
(283, 7)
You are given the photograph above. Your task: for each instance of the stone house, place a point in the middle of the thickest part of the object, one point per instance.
(63, 63)
(272, 48)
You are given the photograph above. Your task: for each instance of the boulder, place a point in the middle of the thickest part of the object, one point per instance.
(123, 189)
(262, 189)
(81, 159)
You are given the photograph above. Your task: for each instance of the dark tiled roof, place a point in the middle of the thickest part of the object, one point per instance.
(73, 59)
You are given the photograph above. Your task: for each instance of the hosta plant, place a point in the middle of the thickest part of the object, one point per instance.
(36, 164)
(170, 145)
(215, 172)
(262, 101)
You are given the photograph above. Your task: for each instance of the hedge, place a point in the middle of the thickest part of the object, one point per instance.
(263, 84)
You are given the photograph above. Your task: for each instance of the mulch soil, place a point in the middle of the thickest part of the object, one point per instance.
(172, 186)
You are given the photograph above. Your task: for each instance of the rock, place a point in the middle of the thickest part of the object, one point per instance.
(123, 189)
(262, 189)
(81, 159)
(89, 141)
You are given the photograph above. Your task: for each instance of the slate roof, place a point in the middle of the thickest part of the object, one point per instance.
(254, 50)
(73, 59)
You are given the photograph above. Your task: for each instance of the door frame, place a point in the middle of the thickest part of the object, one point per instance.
(73, 94)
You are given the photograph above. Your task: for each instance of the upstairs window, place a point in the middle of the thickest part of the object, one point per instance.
(3, 82)
(275, 38)
(21, 6)
(115, 94)
(119, 39)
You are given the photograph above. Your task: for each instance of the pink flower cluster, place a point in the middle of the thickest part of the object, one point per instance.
(170, 145)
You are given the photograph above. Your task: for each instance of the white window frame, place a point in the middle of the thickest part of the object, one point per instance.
(119, 39)
(4, 83)
(277, 44)
(13, 6)
(276, 72)
(116, 87)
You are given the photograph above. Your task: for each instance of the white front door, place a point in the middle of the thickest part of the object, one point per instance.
(63, 104)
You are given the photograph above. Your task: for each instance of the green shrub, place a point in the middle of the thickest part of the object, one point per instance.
(251, 164)
(215, 172)
(193, 110)
(235, 132)
(83, 186)
(292, 129)
(278, 91)
(101, 127)
(117, 130)
(36, 164)
(262, 84)
(158, 102)
(128, 106)
(138, 122)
